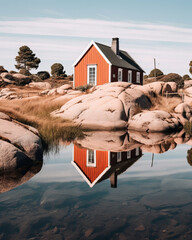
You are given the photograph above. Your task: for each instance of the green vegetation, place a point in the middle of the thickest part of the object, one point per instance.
(57, 70)
(188, 128)
(26, 59)
(156, 73)
(174, 77)
(25, 72)
(186, 77)
(190, 67)
(36, 113)
(84, 88)
(43, 75)
(145, 76)
(2, 69)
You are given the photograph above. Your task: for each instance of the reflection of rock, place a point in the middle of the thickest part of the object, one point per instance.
(120, 141)
(109, 106)
(19, 144)
(154, 121)
(12, 178)
(116, 141)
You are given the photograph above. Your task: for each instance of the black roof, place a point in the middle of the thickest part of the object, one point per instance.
(123, 60)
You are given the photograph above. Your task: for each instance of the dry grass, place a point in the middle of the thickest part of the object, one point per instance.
(36, 112)
(165, 104)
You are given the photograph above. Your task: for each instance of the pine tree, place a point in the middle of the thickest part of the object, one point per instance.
(57, 70)
(190, 67)
(26, 59)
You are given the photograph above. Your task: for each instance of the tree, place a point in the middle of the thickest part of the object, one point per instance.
(156, 73)
(43, 75)
(57, 70)
(174, 77)
(186, 77)
(2, 69)
(26, 59)
(190, 67)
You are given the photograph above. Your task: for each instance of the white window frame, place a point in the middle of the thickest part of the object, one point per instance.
(129, 78)
(88, 163)
(118, 156)
(120, 73)
(137, 151)
(128, 154)
(138, 76)
(88, 69)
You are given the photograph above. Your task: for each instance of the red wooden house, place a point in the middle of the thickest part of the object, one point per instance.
(99, 64)
(96, 166)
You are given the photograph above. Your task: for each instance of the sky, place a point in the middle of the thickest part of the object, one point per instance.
(58, 31)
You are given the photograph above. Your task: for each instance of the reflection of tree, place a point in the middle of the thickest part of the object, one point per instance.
(189, 156)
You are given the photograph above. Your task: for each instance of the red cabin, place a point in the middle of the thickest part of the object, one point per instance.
(96, 166)
(100, 64)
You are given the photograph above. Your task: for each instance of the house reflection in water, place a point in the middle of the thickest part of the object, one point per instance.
(96, 166)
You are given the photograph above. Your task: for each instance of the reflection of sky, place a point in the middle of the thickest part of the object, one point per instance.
(58, 168)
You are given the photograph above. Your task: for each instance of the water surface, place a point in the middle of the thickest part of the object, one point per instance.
(118, 195)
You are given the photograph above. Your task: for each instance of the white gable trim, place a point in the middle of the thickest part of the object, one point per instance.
(87, 48)
(84, 176)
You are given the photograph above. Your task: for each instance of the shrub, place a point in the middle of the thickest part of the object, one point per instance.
(155, 73)
(12, 72)
(43, 75)
(84, 87)
(2, 69)
(57, 70)
(174, 77)
(145, 76)
(25, 72)
(186, 77)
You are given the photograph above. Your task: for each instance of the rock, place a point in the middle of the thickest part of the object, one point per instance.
(88, 232)
(4, 116)
(65, 87)
(154, 121)
(19, 141)
(140, 228)
(41, 85)
(183, 112)
(52, 91)
(169, 87)
(184, 109)
(108, 107)
(187, 83)
(17, 78)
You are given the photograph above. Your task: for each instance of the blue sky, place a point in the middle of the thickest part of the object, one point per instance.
(58, 31)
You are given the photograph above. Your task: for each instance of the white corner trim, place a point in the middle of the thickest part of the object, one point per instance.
(110, 72)
(73, 77)
(87, 48)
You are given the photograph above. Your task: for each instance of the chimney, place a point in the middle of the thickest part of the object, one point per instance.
(115, 45)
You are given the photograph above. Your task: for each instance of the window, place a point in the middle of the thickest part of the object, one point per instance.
(118, 157)
(120, 74)
(137, 151)
(138, 77)
(91, 158)
(129, 76)
(92, 74)
(128, 154)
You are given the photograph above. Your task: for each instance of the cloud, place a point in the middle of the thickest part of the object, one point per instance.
(63, 40)
(89, 28)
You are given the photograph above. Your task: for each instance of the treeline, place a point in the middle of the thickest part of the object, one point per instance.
(171, 77)
(27, 60)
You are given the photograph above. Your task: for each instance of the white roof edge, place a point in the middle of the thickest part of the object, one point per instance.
(87, 48)
(84, 176)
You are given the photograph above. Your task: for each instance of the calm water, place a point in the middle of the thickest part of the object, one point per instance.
(81, 194)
